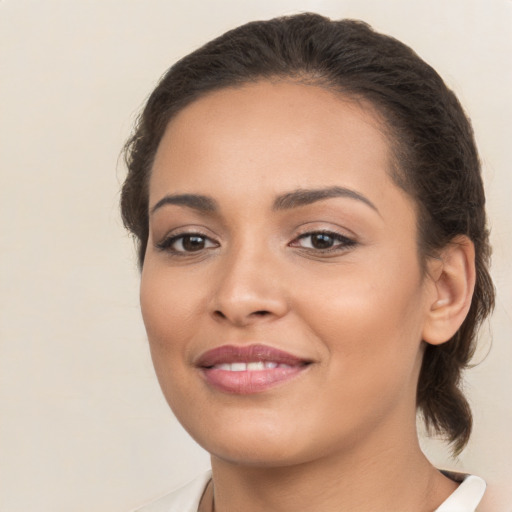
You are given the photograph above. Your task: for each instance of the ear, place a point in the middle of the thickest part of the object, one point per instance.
(453, 282)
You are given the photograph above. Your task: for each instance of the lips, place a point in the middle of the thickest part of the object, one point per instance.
(248, 369)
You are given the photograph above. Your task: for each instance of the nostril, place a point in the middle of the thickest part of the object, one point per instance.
(260, 313)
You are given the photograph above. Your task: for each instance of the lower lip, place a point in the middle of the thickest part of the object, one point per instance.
(249, 382)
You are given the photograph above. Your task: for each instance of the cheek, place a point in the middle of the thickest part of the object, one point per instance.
(370, 319)
(167, 307)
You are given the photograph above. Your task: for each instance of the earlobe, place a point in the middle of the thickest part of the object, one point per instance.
(453, 280)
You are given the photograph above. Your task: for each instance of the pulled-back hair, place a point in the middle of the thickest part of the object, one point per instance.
(435, 156)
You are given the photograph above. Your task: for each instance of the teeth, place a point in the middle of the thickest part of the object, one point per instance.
(253, 366)
(256, 366)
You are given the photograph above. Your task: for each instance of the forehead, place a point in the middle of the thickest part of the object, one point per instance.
(272, 136)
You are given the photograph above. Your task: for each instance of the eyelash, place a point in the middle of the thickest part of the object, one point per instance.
(344, 243)
(167, 243)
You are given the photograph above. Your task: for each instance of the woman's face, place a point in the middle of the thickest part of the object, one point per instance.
(278, 238)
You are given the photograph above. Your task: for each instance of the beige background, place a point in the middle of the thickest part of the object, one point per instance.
(83, 426)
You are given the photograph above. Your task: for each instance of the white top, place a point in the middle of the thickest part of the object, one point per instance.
(186, 499)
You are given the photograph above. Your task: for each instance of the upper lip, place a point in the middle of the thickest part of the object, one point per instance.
(247, 354)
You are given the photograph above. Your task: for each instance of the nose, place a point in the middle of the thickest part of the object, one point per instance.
(249, 289)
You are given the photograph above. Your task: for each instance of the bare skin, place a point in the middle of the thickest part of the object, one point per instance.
(336, 280)
(331, 489)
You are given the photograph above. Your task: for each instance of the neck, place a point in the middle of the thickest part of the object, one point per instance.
(364, 477)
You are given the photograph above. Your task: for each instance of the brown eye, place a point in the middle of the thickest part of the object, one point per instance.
(193, 243)
(186, 243)
(323, 241)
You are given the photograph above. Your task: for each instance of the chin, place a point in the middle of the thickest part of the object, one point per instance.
(256, 442)
(258, 454)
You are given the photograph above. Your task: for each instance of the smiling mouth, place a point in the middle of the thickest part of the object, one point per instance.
(249, 369)
(253, 366)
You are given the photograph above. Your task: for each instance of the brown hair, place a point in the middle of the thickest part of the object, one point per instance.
(436, 157)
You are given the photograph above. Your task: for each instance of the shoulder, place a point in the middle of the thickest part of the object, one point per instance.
(184, 499)
(467, 496)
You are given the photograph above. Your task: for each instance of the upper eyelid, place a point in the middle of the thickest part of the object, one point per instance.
(337, 232)
(177, 236)
(306, 231)
(188, 230)
(169, 239)
(333, 234)
(323, 231)
(342, 242)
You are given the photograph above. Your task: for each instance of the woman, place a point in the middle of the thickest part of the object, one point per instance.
(307, 200)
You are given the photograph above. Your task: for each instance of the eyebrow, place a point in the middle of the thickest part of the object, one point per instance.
(295, 199)
(198, 202)
(303, 197)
